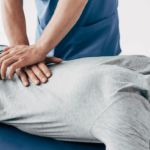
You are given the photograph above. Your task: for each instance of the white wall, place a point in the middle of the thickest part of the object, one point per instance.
(30, 15)
(134, 18)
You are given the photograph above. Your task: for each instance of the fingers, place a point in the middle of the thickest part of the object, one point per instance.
(38, 72)
(23, 76)
(34, 73)
(44, 69)
(41, 71)
(16, 64)
(53, 60)
(5, 53)
(31, 75)
(9, 47)
(4, 58)
(13, 67)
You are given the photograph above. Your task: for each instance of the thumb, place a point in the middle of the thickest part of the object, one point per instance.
(53, 60)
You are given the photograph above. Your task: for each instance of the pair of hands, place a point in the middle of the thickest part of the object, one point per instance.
(26, 61)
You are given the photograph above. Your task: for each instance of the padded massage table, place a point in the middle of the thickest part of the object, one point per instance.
(105, 100)
(14, 139)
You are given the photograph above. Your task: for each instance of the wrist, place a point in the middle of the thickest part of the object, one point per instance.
(40, 50)
(43, 47)
(20, 42)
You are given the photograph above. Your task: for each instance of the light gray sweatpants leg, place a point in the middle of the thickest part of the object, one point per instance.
(100, 100)
(126, 124)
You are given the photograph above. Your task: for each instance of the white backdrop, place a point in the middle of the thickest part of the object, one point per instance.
(134, 18)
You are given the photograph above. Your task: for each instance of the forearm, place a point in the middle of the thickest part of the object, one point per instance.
(65, 16)
(14, 22)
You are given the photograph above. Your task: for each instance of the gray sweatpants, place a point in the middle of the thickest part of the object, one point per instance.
(96, 99)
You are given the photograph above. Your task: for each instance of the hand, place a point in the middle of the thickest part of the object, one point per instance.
(38, 71)
(19, 56)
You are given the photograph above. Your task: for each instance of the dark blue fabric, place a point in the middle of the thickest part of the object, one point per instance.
(14, 139)
(96, 33)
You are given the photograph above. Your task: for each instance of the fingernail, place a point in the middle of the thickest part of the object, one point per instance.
(44, 79)
(26, 83)
(36, 82)
(48, 74)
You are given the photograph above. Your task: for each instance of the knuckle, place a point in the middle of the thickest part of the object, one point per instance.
(11, 51)
(21, 59)
(18, 71)
(33, 67)
(39, 65)
(12, 66)
(5, 62)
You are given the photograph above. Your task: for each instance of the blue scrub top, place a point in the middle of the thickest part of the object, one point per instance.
(96, 33)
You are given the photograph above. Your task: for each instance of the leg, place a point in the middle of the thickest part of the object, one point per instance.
(125, 125)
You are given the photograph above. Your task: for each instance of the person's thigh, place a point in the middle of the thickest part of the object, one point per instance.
(125, 124)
